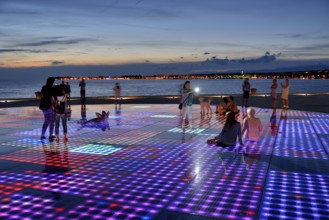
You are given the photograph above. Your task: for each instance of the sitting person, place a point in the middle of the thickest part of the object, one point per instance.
(205, 105)
(252, 125)
(232, 106)
(222, 107)
(230, 132)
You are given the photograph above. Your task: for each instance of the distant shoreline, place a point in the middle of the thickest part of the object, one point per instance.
(317, 102)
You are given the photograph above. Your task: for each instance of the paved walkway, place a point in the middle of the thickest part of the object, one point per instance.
(144, 167)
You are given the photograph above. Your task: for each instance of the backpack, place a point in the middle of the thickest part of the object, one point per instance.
(60, 106)
(44, 104)
(45, 101)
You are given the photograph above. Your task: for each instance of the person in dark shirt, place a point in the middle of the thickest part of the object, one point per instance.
(47, 107)
(82, 86)
(230, 132)
(68, 93)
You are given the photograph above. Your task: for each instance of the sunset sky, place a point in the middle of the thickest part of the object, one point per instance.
(162, 36)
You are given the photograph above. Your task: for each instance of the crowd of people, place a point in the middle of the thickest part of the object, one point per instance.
(55, 104)
(232, 130)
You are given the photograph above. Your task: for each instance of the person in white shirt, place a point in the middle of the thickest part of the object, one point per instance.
(117, 97)
(252, 125)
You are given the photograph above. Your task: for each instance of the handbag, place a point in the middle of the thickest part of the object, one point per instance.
(180, 106)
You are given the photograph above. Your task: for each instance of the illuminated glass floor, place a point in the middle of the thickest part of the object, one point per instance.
(144, 167)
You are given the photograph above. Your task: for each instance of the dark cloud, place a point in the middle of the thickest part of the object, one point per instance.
(17, 11)
(311, 35)
(263, 59)
(216, 60)
(297, 35)
(57, 62)
(49, 42)
(11, 50)
(139, 2)
(314, 47)
(22, 51)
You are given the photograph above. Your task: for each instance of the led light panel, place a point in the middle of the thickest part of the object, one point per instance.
(145, 168)
(97, 149)
(296, 196)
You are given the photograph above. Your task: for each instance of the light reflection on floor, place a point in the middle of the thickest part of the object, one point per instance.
(145, 167)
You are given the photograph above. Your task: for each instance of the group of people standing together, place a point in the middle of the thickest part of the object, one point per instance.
(54, 104)
(284, 95)
(56, 107)
(232, 129)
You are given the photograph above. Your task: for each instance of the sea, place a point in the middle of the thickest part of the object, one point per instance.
(98, 88)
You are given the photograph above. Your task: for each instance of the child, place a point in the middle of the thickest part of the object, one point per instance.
(60, 112)
(205, 106)
(252, 125)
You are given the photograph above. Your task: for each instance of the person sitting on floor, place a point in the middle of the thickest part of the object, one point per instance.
(252, 125)
(222, 107)
(230, 132)
(232, 106)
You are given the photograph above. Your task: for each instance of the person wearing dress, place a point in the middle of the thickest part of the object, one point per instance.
(285, 93)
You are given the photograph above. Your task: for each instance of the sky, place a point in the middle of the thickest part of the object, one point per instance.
(117, 37)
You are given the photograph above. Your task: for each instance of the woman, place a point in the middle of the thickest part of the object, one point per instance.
(274, 94)
(230, 132)
(232, 106)
(60, 112)
(187, 100)
(222, 107)
(47, 107)
(285, 93)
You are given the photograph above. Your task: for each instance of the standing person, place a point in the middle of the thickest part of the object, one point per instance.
(274, 94)
(68, 93)
(47, 107)
(187, 101)
(63, 85)
(231, 131)
(252, 125)
(117, 96)
(246, 93)
(274, 126)
(60, 112)
(285, 93)
(82, 86)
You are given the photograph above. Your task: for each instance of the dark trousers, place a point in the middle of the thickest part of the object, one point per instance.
(83, 96)
(49, 121)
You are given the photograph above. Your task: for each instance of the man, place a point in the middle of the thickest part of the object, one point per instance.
(82, 86)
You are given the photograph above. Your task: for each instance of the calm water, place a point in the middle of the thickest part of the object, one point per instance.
(26, 89)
